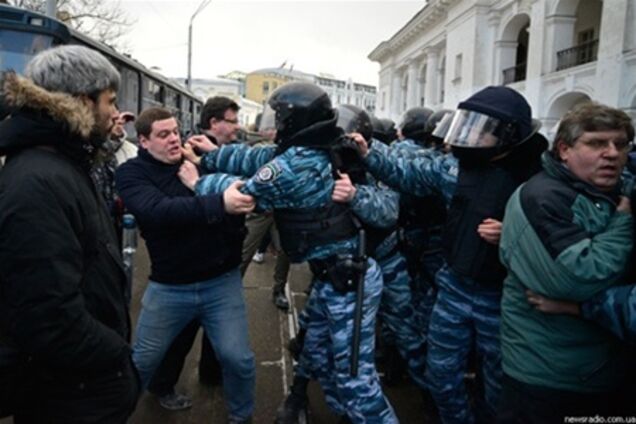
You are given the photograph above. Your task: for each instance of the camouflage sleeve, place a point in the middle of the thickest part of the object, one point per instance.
(615, 310)
(628, 183)
(273, 181)
(376, 206)
(214, 183)
(420, 175)
(237, 159)
(380, 147)
(404, 149)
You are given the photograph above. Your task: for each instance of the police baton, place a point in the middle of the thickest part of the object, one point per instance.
(357, 318)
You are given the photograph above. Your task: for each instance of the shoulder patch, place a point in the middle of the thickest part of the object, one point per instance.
(268, 173)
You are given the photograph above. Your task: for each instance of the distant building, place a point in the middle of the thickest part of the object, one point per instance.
(260, 84)
(205, 88)
(249, 110)
(237, 76)
(557, 53)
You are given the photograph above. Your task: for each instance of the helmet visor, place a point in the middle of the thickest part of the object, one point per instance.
(474, 130)
(442, 126)
(347, 120)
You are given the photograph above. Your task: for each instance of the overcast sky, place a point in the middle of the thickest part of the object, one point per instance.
(315, 36)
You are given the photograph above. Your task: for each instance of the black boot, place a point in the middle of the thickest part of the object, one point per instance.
(295, 345)
(280, 300)
(394, 366)
(296, 402)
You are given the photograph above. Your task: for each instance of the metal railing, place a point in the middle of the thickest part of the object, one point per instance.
(577, 55)
(514, 74)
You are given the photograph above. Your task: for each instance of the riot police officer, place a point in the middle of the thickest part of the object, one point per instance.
(383, 130)
(297, 184)
(495, 147)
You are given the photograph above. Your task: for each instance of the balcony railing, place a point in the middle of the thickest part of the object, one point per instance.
(514, 74)
(578, 55)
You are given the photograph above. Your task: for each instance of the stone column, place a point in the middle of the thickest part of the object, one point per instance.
(396, 79)
(432, 63)
(412, 89)
(610, 62)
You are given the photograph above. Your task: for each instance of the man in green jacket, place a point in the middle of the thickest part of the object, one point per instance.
(567, 235)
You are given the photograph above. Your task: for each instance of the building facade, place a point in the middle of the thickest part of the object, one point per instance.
(210, 87)
(557, 53)
(260, 84)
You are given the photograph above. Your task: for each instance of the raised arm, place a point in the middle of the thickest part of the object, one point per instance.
(237, 159)
(376, 205)
(615, 310)
(153, 208)
(420, 175)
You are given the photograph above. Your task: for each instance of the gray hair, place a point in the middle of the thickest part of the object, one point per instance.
(73, 69)
(590, 116)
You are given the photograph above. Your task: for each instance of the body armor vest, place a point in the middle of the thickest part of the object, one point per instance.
(482, 192)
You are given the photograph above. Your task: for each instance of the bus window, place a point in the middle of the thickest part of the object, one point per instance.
(17, 47)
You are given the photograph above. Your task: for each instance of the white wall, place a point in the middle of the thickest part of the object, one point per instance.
(474, 29)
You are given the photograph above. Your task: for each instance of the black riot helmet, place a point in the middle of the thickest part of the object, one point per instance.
(437, 127)
(389, 129)
(297, 106)
(353, 119)
(383, 130)
(413, 124)
(491, 122)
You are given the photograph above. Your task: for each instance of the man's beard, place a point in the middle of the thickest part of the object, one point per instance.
(96, 145)
(98, 136)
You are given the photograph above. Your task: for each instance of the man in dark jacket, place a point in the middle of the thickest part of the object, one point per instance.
(62, 280)
(194, 244)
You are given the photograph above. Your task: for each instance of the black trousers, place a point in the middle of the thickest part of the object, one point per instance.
(107, 397)
(525, 403)
(167, 375)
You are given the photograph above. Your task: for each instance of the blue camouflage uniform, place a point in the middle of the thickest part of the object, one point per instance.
(302, 178)
(464, 312)
(377, 205)
(396, 307)
(429, 239)
(615, 310)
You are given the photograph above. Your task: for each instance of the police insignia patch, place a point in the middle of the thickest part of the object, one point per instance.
(268, 173)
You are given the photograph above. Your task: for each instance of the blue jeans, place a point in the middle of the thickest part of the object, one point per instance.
(219, 306)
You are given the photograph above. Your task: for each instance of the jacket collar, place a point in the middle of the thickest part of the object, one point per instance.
(558, 170)
(72, 112)
(147, 157)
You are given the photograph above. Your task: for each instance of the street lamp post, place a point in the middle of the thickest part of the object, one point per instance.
(202, 6)
(51, 7)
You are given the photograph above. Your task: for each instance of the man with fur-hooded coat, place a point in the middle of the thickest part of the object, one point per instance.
(62, 307)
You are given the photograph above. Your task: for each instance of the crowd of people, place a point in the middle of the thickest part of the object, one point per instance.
(462, 239)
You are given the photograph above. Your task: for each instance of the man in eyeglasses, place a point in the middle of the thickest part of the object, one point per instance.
(567, 235)
(219, 120)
